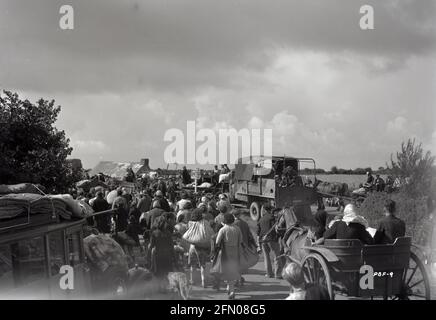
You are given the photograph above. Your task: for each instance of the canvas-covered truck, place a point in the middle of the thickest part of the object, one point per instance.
(276, 181)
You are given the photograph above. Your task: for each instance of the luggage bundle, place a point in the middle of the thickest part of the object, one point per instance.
(224, 178)
(199, 233)
(20, 188)
(26, 209)
(29, 209)
(103, 252)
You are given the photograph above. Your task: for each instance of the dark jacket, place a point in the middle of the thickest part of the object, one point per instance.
(389, 229)
(163, 253)
(100, 204)
(153, 214)
(320, 219)
(103, 221)
(186, 177)
(135, 212)
(340, 230)
(247, 236)
(133, 230)
(164, 204)
(144, 204)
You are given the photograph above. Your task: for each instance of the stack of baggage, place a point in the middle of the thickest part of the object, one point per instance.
(19, 208)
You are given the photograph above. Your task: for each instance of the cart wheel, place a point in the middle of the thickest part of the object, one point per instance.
(255, 211)
(316, 271)
(416, 285)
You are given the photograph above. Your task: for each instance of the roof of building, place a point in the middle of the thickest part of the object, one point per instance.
(117, 169)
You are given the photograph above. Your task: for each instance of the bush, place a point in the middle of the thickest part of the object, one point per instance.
(414, 168)
(413, 212)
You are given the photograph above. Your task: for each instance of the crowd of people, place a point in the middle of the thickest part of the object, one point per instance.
(154, 221)
(158, 219)
(379, 184)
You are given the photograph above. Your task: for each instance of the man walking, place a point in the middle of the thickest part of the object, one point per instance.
(268, 240)
(103, 221)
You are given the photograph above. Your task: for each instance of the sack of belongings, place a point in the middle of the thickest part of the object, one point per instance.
(199, 233)
(86, 208)
(205, 185)
(20, 188)
(224, 177)
(84, 184)
(103, 252)
(111, 196)
(20, 205)
(248, 258)
(77, 208)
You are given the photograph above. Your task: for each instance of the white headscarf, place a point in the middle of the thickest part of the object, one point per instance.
(351, 216)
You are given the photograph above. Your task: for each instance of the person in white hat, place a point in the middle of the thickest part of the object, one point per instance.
(352, 226)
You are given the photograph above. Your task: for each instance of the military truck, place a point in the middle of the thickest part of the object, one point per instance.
(275, 180)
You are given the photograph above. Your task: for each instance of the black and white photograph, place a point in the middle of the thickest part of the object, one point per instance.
(235, 150)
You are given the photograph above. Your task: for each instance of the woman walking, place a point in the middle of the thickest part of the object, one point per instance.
(198, 255)
(162, 248)
(229, 241)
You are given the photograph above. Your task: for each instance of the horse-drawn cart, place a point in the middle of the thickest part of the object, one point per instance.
(367, 271)
(350, 268)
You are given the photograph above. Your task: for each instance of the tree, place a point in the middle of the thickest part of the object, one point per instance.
(32, 149)
(413, 167)
(368, 169)
(359, 171)
(334, 170)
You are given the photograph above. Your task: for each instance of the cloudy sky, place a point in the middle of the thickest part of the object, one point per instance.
(130, 70)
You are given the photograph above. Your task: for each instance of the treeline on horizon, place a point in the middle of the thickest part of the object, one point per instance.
(357, 171)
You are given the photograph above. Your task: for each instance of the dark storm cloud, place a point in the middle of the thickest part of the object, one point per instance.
(176, 45)
(132, 69)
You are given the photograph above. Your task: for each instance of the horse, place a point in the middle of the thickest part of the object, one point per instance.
(296, 235)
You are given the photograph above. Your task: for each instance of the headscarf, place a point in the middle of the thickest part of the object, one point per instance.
(222, 206)
(156, 204)
(351, 216)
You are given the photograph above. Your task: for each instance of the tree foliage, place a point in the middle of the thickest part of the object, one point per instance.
(32, 149)
(413, 167)
(334, 170)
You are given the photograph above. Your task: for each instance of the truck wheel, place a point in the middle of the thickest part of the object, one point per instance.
(254, 211)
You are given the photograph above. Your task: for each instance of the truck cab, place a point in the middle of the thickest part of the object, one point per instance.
(277, 181)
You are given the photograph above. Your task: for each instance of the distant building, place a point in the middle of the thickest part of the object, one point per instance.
(119, 169)
(145, 168)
